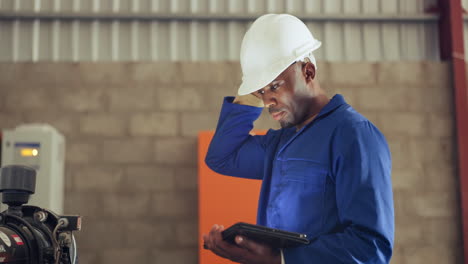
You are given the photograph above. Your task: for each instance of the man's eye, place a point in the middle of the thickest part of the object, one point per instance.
(261, 92)
(274, 87)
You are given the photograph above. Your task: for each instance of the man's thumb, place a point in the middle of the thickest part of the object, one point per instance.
(240, 240)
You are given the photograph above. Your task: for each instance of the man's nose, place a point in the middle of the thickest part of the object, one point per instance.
(269, 100)
(268, 105)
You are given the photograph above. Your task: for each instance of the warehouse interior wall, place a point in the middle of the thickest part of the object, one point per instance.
(131, 155)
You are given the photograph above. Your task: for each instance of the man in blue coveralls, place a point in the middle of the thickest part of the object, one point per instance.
(326, 172)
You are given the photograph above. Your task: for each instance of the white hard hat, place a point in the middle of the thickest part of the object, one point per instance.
(271, 45)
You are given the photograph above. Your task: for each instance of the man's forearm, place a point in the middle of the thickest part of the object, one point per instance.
(232, 151)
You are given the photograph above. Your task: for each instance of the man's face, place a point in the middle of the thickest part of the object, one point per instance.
(287, 97)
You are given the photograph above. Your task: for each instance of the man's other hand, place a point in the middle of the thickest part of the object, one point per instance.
(244, 251)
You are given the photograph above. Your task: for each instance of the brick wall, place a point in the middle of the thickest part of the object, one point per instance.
(131, 131)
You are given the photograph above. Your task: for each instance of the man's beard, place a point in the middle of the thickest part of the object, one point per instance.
(286, 124)
(287, 121)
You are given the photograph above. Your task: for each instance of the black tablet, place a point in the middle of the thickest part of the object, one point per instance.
(275, 238)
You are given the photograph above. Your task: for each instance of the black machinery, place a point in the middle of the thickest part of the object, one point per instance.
(30, 234)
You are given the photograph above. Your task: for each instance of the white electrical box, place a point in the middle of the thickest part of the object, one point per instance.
(41, 147)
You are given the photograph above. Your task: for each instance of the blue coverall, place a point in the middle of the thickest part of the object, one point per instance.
(330, 180)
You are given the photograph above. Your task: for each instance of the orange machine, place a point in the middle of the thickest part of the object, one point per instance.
(222, 199)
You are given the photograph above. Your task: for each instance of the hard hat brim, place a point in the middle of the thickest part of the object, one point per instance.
(255, 82)
(250, 85)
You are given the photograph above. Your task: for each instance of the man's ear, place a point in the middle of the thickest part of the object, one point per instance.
(308, 70)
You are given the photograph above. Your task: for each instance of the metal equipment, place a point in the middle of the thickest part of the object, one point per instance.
(29, 234)
(42, 148)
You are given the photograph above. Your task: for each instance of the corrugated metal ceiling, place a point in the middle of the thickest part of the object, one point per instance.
(149, 39)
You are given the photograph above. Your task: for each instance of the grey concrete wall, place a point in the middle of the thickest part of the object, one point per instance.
(131, 131)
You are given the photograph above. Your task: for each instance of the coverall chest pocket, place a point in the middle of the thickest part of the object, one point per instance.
(308, 172)
(300, 201)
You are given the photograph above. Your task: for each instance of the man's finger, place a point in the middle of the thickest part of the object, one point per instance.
(218, 245)
(213, 242)
(205, 240)
(225, 249)
(211, 237)
(233, 252)
(213, 229)
(212, 234)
